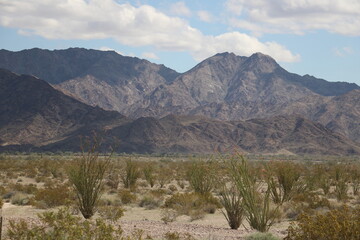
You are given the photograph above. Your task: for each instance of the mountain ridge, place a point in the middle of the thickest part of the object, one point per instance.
(224, 86)
(37, 117)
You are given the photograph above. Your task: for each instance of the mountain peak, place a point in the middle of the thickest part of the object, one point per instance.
(262, 63)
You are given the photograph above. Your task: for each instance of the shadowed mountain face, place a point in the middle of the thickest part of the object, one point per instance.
(224, 87)
(33, 112)
(35, 115)
(102, 78)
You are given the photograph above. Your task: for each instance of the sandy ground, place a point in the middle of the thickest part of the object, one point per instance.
(212, 226)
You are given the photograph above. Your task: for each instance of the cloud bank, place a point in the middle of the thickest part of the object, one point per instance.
(129, 25)
(296, 16)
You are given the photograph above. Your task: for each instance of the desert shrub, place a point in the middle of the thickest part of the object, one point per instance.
(20, 199)
(172, 236)
(343, 223)
(168, 215)
(284, 181)
(62, 225)
(325, 183)
(53, 196)
(113, 180)
(259, 212)
(231, 200)
(149, 174)
(127, 197)
(149, 202)
(87, 174)
(355, 179)
(184, 203)
(181, 183)
(112, 213)
(2, 190)
(172, 188)
(178, 236)
(131, 174)
(163, 175)
(309, 201)
(341, 190)
(261, 236)
(201, 177)
(196, 214)
(158, 193)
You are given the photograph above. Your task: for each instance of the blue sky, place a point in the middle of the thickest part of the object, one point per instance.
(316, 37)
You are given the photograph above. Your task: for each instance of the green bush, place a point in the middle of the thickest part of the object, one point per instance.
(53, 196)
(62, 225)
(127, 197)
(343, 223)
(112, 213)
(284, 180)
(87, 176)
(131, 174)
(259, 212)
(201, 177)
(149, 202)
(234, 212)
(20, 199)
(187, 203)
(149, 175)
(261, 236)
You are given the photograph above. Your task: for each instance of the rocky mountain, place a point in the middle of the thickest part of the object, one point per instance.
(34, 113)
(35, 116)
(224, 87)
(193, 134)
(98, 78)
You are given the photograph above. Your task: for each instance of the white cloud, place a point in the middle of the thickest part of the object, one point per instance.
(129, 25)
(342, 52)
(149, 55)
(205, 16)
(110, 49)
(180, 9)
(296, 16)
(244, 45)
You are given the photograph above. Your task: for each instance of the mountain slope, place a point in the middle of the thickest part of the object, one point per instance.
(32, 112)
(198, 134)
(224, 87)
(89, 74)
(35, 115)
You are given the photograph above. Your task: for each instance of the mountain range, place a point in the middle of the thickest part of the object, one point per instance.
(226, 101)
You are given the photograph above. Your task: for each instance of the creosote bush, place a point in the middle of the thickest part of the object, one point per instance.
(126, 196)
(261, 236)
(192, 203)
(62, 225)
(52, 196)
(343, 223)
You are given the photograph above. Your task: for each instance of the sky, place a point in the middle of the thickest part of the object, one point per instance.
(315, 37)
